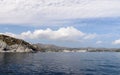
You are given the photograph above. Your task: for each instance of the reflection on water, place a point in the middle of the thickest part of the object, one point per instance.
(11, 62)
(6, 58)
(60, 64)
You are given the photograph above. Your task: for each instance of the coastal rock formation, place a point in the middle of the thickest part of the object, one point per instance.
(10, 44)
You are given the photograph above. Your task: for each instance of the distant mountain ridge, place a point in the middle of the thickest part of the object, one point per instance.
(54, 48)
(48, 47)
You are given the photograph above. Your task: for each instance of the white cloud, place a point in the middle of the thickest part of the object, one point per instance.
(99, 42)
(62, 34)
(48, 11)
(116, 42)
(90, 36)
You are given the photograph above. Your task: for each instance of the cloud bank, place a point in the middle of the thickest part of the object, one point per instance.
(62, 34)
(40, 12)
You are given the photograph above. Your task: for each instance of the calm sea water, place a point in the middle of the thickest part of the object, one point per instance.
(60, 63)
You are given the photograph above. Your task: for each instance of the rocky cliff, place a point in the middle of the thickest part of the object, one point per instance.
(10, 44)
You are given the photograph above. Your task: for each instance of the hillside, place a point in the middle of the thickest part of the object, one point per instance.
(10, 44)
(53, 48)
(49, 47)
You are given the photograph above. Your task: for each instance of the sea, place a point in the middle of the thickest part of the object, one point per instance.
(60, 63)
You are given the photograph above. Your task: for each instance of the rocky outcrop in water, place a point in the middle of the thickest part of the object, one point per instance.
(10, 44)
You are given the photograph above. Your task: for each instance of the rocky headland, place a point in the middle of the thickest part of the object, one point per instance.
(11, 44)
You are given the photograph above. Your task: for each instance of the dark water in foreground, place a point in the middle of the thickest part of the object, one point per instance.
(60, 64)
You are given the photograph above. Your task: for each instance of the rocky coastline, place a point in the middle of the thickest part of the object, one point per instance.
(11, 44)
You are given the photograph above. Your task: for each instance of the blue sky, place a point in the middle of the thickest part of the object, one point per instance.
(71, 23)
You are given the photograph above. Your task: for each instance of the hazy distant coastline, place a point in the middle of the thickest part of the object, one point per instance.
(10, 44)
(54, 48)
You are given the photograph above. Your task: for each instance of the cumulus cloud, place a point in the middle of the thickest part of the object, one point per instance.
(116, 42)
(62, 34)
(49, 11)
